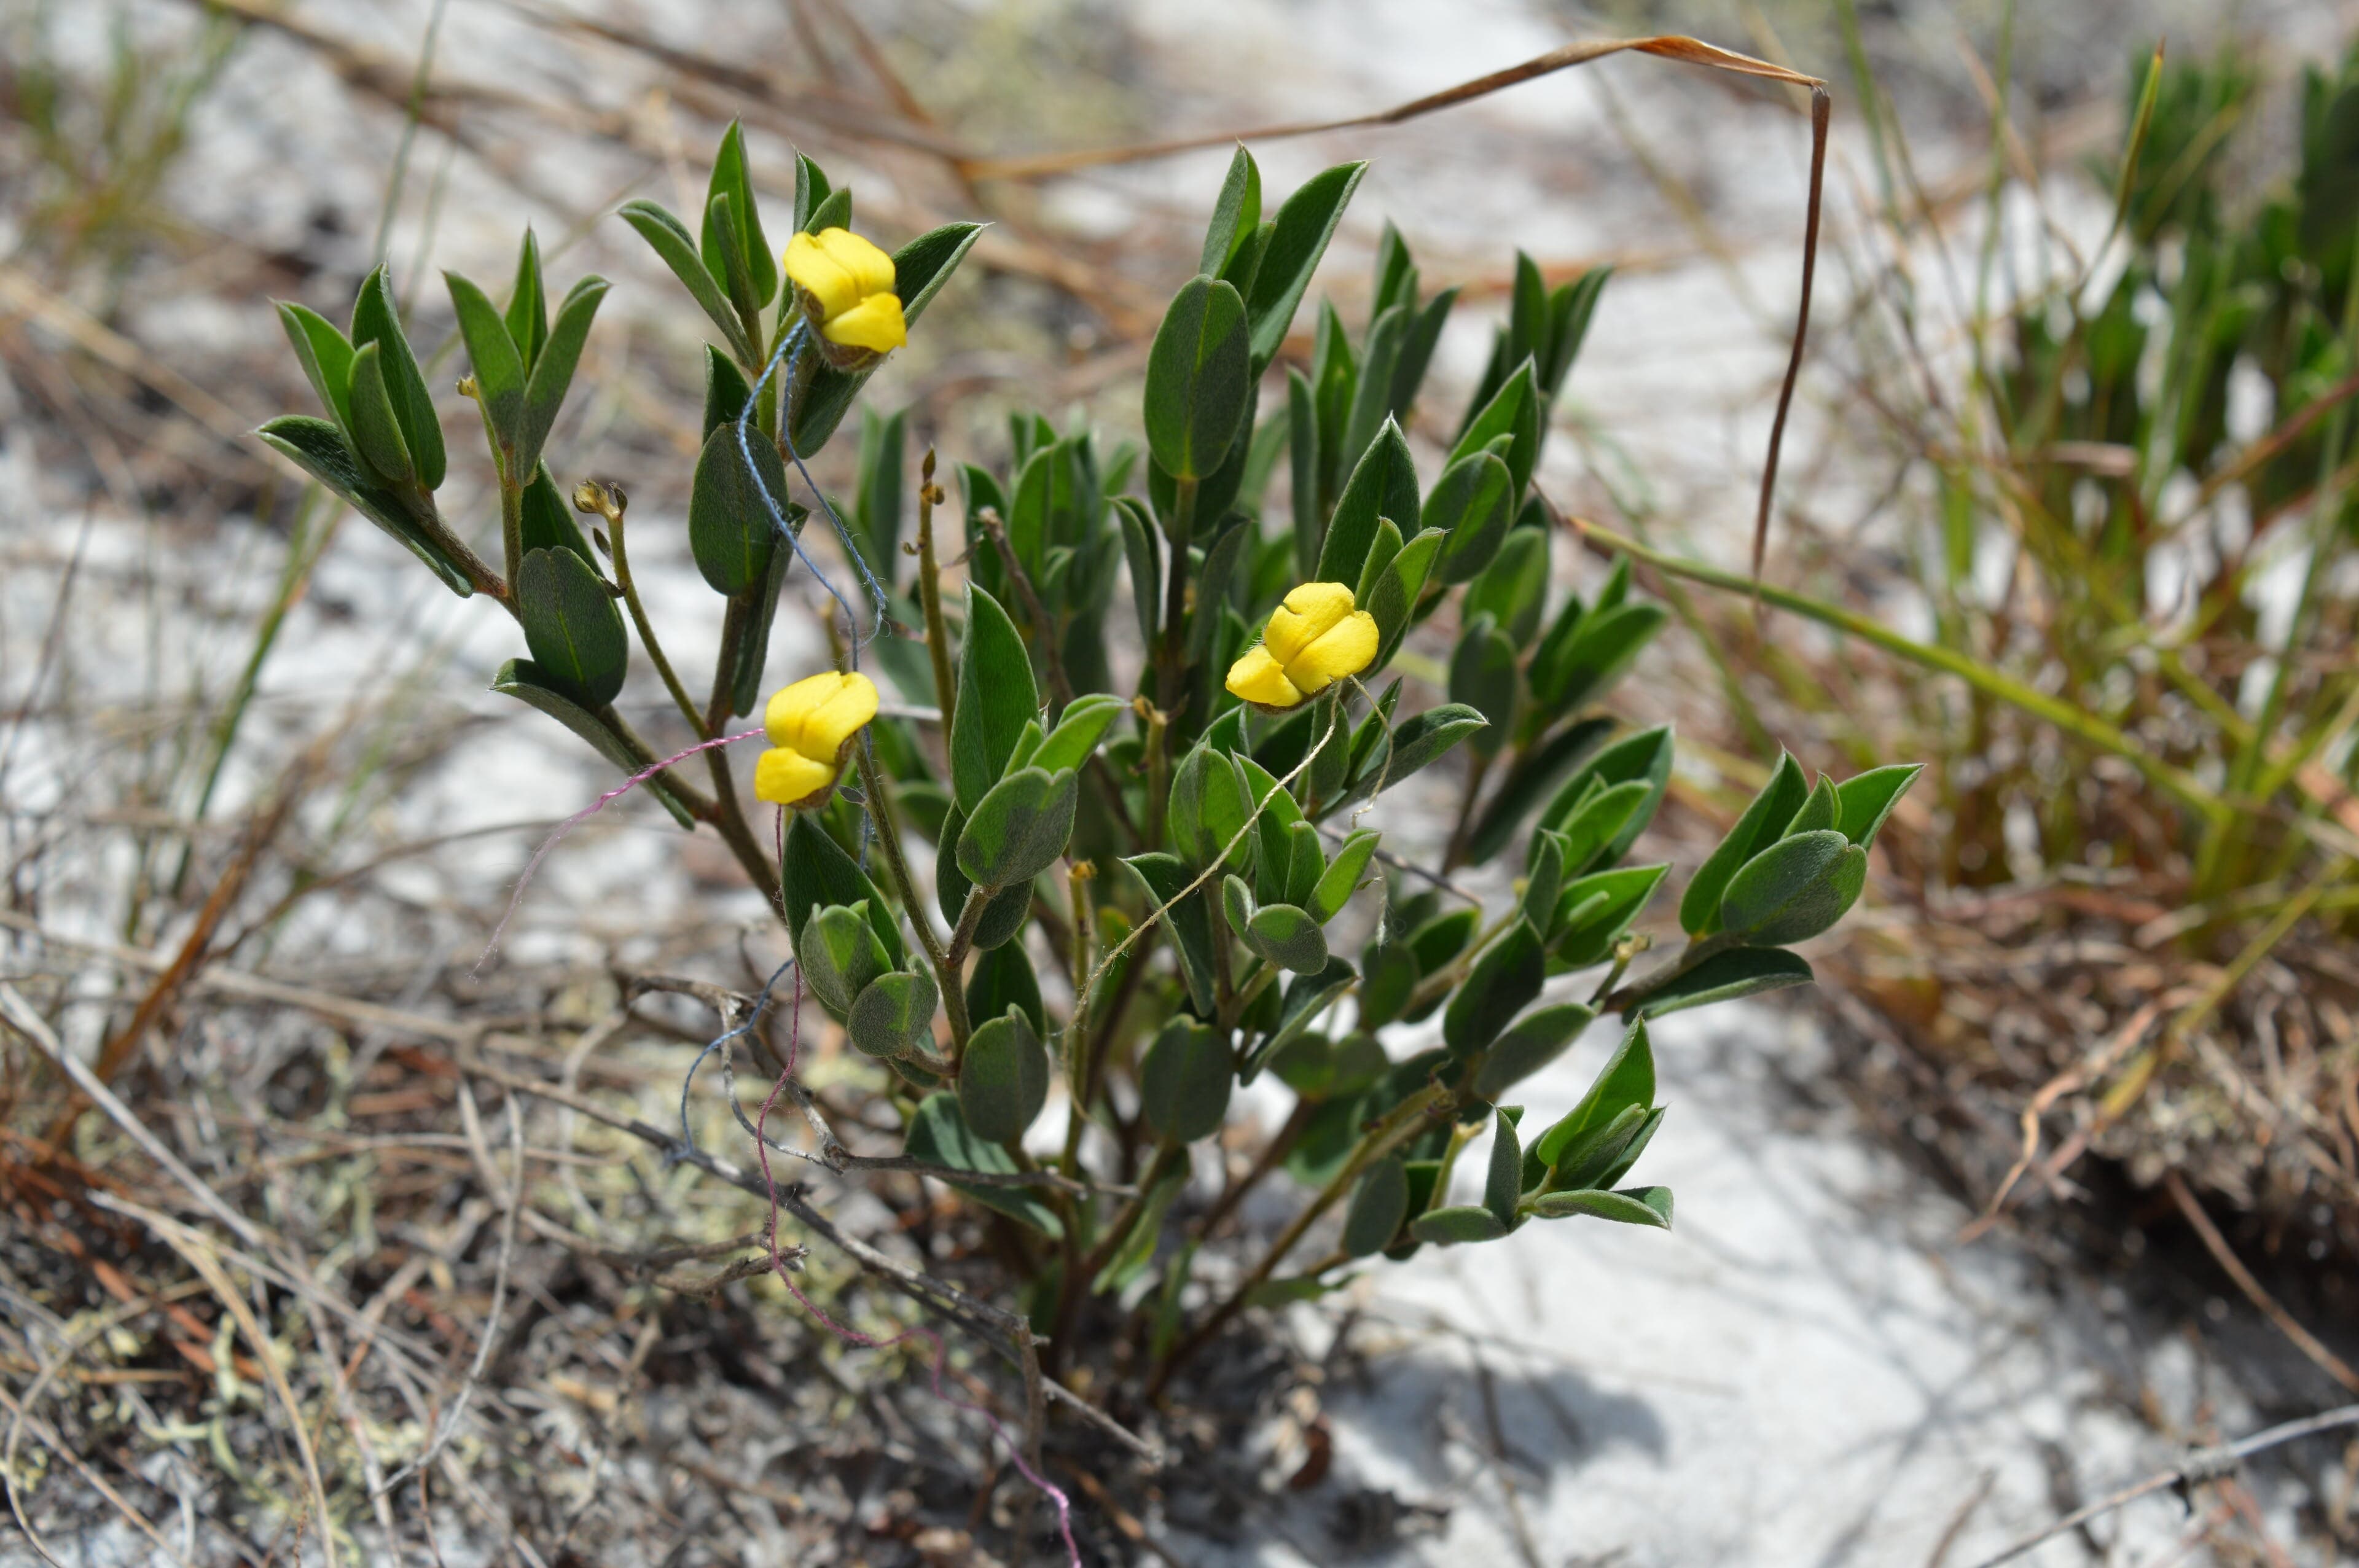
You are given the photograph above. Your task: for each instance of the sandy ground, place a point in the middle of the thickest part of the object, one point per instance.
(1809, 1370)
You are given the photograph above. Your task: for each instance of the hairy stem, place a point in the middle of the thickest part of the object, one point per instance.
(671, 680)
(929, 596)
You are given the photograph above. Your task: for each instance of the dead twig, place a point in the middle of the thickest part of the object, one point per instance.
(2201, 1466)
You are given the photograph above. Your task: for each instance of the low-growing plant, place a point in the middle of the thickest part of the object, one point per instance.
(1146, 732)
(2120, 510)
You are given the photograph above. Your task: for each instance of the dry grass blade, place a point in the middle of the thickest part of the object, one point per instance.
(2303, 1340)
(1672, 46)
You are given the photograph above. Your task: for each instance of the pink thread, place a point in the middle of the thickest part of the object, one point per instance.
(852, 1335)
(571, 823)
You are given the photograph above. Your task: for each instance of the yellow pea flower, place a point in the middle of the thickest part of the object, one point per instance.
(810, 725)
(1314, 639)
(845, 287)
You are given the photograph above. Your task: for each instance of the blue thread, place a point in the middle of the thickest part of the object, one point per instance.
(790, 350)
(688, 1083)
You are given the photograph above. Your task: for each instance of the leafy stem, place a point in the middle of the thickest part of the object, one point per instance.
(1397, 1127)
(611, 504)
(888, 839)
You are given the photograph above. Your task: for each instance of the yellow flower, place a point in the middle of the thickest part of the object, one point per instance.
(810, 725)
(845, 287)
(1313, 640)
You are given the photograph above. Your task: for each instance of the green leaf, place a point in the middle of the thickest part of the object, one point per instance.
(1795, 889)
(1503, 1183)
(1580, 669)
(1505, 977)
(1473, 503)
(1383, 485)
(326, 357)
(1372, 393)
(894, 1015)
(839, 953)
(996, 698)
(725, 391)
(1817, 810)
(1513, 589)
(1019, 828)
(1003, 979)
(318, 447)
(1763, 823)
(1235, 215)
(1450, 1227)
(1484, 678)
(1626, 1080)
(920, 270)
(753, 645)
(834, 212)
(1341, 878)
(1427, 737)
(1379, 1203)
(1212, 587)
(816, 872)
(528, 312)
(1002, 917)
(1142, 548)
(1584, 1161)
(1003, 1080)
(1531, 1043)
(812, 189)
(1527, 780)
(546, 522)
(1605, 817)
(553, 372)
(1288, 938)
(670, 239)
(1303, 470)
(1592, 913)
(376, 436)
(1636, 1205)
(884, 457)
(1306, 997)
(1183, 1084)
(1163, 877)
(571, 624)
(729, 528)
(1513, 412)
(375, 321)
(1078, 731)
(1304, 225)
(939, 1135)
(1197, 379)
(1416, 351)
(498, 371)
(1865, 802)
(521, 679)
(1725, 976)
(1137, 1250)
(1646, 757)
(729, 179)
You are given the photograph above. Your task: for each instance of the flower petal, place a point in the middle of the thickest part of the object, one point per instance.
(839, 716)
(789, 778)
(817, 713)
(871, 268)
(1344, 651)
(874, 324)
(1259, 678)
(832, 284)
(1310, 612)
